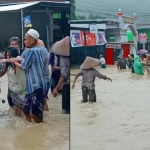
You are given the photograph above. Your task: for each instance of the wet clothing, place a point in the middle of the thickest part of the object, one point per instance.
(138, 66)
(33, 65)
(34, 102)
(66, 98)
(65, 73)
(130, 65)
(121, 64)
(88, 85)
(103, 66)
(65, 68)
(88, 77)
(91, 93)
(16, 86)
(54, 61)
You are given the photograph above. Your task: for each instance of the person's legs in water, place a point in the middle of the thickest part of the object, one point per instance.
(103, 66)
(84, 94)
(46, 97)
(10, 102)
(92, 95)
(66, 99)
(34, 106)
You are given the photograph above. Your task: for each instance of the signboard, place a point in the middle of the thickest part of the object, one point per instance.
(100, 38)
(113, 45)
(27, 22)
(93, 28)
(128, 20)
(92, 39)
(142, 38)
(75, 38)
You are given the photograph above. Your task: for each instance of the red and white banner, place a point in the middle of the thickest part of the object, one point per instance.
(92, 39)
(142, 38)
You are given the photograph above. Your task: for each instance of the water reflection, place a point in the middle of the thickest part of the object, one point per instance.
(120, 118)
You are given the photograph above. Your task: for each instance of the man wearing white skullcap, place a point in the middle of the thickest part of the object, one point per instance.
(36, 83)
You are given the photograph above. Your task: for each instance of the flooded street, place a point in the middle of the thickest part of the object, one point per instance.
(17, 134)
(120, 120)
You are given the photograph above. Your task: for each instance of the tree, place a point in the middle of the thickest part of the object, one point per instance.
(72, 10)
(81, 17)
(92, 16)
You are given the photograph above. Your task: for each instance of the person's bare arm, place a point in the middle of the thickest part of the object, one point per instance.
(75, 79)
(101, 76)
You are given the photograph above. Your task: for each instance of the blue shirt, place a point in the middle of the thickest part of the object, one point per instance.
(33, 65)
(46, 71)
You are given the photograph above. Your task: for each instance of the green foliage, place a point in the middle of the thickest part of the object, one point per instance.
(72, 10)
(92, 16)
(81, 17)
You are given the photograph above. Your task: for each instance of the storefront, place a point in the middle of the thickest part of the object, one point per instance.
(124, 37)
(144, 28)
(87, 39)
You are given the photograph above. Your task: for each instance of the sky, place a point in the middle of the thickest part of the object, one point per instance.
(109, 8)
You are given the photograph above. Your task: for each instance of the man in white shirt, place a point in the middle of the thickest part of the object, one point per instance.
(102, 61)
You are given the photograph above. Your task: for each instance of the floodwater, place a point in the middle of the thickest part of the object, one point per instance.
(17, 134)
(120, 120)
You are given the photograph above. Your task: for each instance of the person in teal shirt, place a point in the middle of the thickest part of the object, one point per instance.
(138, 66)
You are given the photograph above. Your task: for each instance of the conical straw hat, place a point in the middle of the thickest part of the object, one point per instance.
(40, 43)
(62, 47)
(89, 63)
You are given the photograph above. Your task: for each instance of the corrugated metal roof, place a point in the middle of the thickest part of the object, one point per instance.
(24, 5)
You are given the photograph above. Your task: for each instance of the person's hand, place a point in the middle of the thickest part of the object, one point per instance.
(109, 79)
(55, 92)
(73, 86)
(55, 68)
(12, 61)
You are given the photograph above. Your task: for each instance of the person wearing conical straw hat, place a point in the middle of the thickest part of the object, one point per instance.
(62, 48)
(89, 73)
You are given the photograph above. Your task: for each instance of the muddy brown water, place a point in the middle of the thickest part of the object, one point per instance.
(17, 134)
(120, 120)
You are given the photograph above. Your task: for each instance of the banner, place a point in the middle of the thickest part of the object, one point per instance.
(100, 38)
(27, 22)
(92, 39)
(75, 38)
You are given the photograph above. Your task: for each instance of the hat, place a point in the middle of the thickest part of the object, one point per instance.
(62, 47)
(33, 33)
(89, 63)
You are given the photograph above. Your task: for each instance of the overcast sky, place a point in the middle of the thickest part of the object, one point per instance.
(110, 7)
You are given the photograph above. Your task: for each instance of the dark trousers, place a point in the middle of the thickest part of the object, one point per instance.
(10, 102)
(66, 98)
(88, 93)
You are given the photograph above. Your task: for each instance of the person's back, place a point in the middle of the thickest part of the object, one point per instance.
(34, 76)
(138, 66)
(88, 77)
(46, 71)
(102, 60)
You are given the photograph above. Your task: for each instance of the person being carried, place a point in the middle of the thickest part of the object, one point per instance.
(89, 74)
(102, 61)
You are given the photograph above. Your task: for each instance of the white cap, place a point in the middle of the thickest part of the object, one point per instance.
(33, 33)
